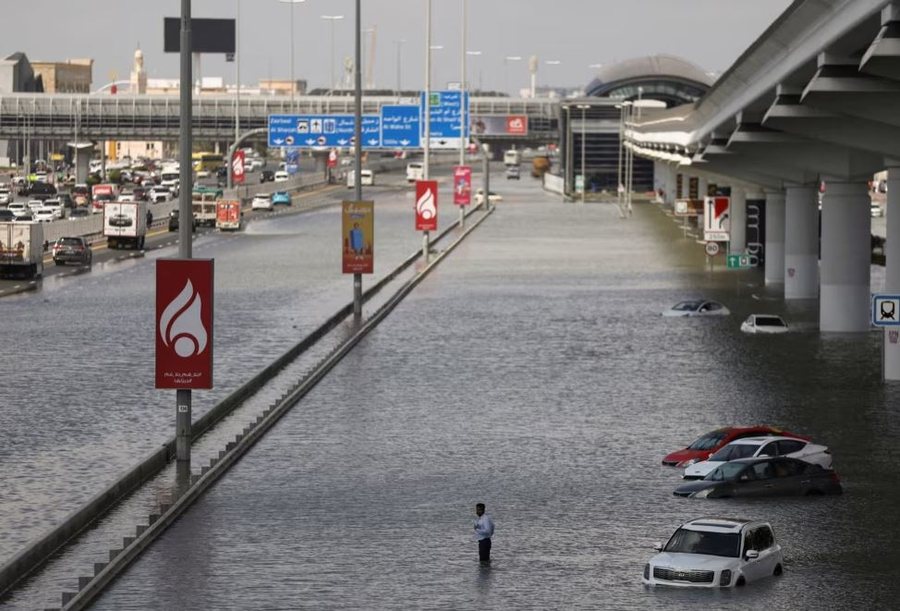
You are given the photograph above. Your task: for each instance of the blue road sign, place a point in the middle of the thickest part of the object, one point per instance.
(886, 310)
(446, 107)
(401, 127)
(331, 131)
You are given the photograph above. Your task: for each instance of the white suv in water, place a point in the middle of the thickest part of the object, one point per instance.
(716, 553)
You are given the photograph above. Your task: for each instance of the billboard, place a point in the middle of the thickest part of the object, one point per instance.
(207, 35)
(716, 221)
(462, 185)
(500, 125)
(358, 237)
(426, 205)
(184, 323)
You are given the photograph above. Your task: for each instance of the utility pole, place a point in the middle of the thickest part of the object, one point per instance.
(357, 135)
(183, 396)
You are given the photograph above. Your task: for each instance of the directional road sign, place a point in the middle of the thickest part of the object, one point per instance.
(307, 131)
(446, 108)
(739, 261)
(886, 310)
(401, 126)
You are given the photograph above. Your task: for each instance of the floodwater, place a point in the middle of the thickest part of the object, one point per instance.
(533, 372)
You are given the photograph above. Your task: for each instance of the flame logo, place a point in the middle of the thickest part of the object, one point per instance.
(425, 205)
(180, 325)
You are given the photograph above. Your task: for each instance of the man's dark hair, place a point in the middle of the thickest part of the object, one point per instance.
(479, 506)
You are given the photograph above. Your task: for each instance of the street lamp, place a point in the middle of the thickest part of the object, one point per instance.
(332, 19)
(476, 54)
(583, 108)
(293, 82)
(506, 62)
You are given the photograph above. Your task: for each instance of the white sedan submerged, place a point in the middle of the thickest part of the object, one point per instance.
(751, 447)
(697, 307)
(764, 323)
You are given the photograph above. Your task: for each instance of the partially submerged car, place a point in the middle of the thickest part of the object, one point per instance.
(752, 447)
(697, 307)
(763, 476)
(707, 444)
(716, 553)
(764, 323)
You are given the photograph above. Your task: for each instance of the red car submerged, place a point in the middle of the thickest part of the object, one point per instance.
(708, 444)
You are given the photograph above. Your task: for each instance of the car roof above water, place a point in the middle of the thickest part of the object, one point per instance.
(725, 525)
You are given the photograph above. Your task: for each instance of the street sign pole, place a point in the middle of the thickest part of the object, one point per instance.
(462, 114)
(425, 165)
(183, 396)
(357, 162)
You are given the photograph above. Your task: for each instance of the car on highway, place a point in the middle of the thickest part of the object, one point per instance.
(697, 307)
(281, 176)
(72, 249)
(763, 476)
(716, 553)
(751, 447)
(494, 197)
(6, 216)
(366, 178)
(5, 195)
(709, 443)
(262, 201)
(41, 190)
(281, 198)
(78, 213)
(35, 204)
(173, 221)
(764, 323)
(266, 176)
(18, 208)
(512, 172)
(415, 171)
(44, 215)
(24, 218)
(159, 194)
(56, 206)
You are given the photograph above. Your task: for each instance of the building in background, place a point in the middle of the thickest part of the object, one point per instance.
(281, 87)
(70, 76)
(17, 75)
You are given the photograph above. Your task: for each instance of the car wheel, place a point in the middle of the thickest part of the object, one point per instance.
(778, 572)
(740, 582)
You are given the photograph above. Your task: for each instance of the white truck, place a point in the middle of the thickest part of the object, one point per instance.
(512, 157)
(125, 224)
(21, 250)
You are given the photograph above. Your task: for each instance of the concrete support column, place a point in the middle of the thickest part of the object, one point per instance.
(801, 243)
(702, 187)
(738, 215)
(671, 184)
(774, 237)
(844, 301)
(685, 186)
(892, 272)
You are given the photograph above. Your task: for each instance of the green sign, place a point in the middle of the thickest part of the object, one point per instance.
(738, 262)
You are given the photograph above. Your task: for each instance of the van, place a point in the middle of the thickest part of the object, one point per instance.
(415, 171)
(366, 178)
(281, 176)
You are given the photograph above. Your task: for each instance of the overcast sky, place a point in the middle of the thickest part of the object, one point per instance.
(577, 33)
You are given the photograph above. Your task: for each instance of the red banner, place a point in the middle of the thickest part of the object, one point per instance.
(238, 169)
(184, 323)
(462, 185)
(426, 205)
(332, 158)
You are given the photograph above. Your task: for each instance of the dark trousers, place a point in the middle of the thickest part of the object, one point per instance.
(484, 550)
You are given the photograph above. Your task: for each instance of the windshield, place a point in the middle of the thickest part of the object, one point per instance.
(726, 472)
(686, 306)
(733, 451)
(714, 544)
(707, 442)
(769, 321)
(69, 242)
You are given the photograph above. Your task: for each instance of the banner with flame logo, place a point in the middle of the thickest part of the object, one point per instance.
(238, 167)
(358, 237)
(184, 323)
(426, 205)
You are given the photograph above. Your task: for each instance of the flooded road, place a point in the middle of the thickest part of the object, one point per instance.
(533, 372)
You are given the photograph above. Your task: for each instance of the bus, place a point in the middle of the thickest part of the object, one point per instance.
(207, 162)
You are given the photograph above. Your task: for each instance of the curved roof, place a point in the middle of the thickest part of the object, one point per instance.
(671, 79)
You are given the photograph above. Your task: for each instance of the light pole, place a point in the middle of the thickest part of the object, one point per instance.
(237, 73)
(399, 45)
(506, 62)
(550, 62)
(427, 131)
(583, 108)
(332, 19)
(476, 54)
(357, 136)
(462, 98)
(620, 184)
(293, 82)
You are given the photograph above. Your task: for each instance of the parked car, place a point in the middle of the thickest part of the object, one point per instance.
(281, 197)
(751, 447)
(764, 323)
(708, 444)
(266, 176)
(697, 307)
(74, 249)
(763, 476)
(263, 201)
(716, 553)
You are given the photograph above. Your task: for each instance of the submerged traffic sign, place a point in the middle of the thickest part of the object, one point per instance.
(886, 310)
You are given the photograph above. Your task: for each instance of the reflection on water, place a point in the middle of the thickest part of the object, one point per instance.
(533, 372)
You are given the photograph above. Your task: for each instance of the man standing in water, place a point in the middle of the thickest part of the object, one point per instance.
(484, 530)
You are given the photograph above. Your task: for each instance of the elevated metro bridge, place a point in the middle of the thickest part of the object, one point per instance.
(127, 117)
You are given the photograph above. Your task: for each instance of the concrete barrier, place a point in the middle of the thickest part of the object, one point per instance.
(554, 183)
